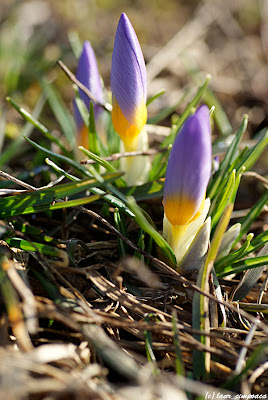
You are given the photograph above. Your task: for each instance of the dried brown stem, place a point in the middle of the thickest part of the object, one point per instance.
(15, 180)
(117, 156)
(90, 95)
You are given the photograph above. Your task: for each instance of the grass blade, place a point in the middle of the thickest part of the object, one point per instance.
(254, 154)
(63, 159)
(236, 255)
(148, 228)
(62, 113)
(120, 226)
(250, 278)
(252, 215)
(227, 161)
(30, 118)
(225, 199)
(34, 246)
(14, 146)
(240, 266)
(146, 191)
(41, 200)
(200, 319)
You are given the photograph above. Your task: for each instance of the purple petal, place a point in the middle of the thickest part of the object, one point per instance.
(88, 74)
(189, 164)
(128, 72)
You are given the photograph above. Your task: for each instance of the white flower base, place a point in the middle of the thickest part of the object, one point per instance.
(136, 168)
(180, 237)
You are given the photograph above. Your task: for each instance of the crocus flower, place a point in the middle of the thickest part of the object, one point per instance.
(129, 91)
(187, 176)
(88, 74)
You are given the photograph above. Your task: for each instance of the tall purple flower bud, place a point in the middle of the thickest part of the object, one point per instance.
(187, 176)
(129, 92)
(87, 73)
(128, 85)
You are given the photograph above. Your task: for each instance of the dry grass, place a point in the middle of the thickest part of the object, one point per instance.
(83, 333)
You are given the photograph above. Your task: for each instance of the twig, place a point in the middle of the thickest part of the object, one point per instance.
(258, 372)
(117, 156)
(25, 185)
(242, 355)
(257, 176)
(90, 95)
(15, 180)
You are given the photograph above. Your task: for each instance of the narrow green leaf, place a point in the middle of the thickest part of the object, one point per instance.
(240, 266)
(159, 165)
(238, 162)
(84, 112)
(200, 318)
(30, 118)
(252, 215)
(193, 103)
(236, 255)
(225, 199)
(74, 203)
(37, 233)
(75, 43)
(34, 246)
(146, 191)
(254, 154)
(106, 164)
(58, 169)
(221, 228)
(250, 278)
(165, 113)
(258, 242)
(113, 139)
(45, 207)
(63, 159)
(31, 202)
(92, 134)
(254, 307)
(228, 240)
(60, 111)
(114, 201)
(176, 340)
(120, 226)
(99, 160)
(47, 284)
(15, 146)
(148, 228)
(220, 117)
(153, 98)
(148, 348)
(227, 161)
(209, 96)
(141, 245)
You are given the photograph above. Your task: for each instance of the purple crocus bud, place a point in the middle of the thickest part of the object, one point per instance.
(128, 85)
(187, 176)
(88, 74)
(188, 169)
